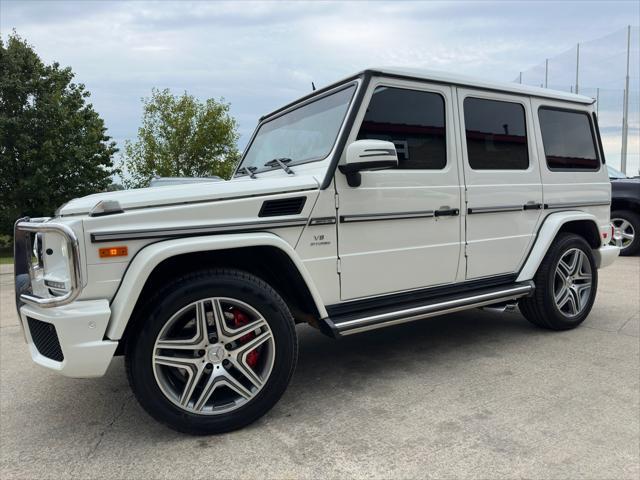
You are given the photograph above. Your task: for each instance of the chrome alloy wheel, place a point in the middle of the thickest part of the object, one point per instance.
(623, 233)
(572, 282)
(213, 356)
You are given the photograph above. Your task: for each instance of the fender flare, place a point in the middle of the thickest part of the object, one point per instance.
(152, 255)
(546, 235)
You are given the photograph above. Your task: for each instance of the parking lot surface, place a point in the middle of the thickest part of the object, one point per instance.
(474, 394)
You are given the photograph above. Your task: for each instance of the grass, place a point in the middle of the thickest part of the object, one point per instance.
(6, 252)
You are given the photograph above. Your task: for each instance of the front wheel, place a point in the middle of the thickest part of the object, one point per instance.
(212, 352)
(565, 285)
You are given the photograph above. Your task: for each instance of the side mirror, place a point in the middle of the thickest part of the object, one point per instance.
(368, 155)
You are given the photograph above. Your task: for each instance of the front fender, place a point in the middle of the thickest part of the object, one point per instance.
(151, 256)
(547, 233)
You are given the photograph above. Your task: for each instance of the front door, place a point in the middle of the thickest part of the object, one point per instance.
(504, 191)
(400, 229)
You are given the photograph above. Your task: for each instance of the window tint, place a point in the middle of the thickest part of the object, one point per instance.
(568, 140)
(496, 135)
(413, 121)
(304, 134)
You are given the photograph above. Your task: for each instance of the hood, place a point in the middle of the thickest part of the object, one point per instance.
(189, 193)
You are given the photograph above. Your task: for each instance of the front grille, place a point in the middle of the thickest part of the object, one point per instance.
(45, 338)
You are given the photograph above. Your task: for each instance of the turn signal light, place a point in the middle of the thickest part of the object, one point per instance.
(111, 252)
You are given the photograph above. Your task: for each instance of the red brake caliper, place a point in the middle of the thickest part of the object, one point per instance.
(240, 320)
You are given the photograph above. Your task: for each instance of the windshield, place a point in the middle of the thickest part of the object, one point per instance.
(613, 173)
(303, 135)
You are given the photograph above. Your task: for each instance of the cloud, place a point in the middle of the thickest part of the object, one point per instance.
(259, 55)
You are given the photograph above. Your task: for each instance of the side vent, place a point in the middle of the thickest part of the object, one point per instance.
(284, 206)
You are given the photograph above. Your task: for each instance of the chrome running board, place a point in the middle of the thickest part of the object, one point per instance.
(379, 318)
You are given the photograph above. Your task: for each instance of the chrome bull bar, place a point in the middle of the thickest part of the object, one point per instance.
(26, 270)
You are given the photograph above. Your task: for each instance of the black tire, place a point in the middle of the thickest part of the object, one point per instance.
(182, 292)
(634, 219)
(541, 308)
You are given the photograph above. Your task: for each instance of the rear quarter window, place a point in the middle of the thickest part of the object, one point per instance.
(568, 139)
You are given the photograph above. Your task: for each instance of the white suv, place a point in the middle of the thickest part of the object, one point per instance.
(390, 196)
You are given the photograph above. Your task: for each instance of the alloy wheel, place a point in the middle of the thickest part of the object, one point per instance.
(572, 282)
(623, 233)
(213, 356)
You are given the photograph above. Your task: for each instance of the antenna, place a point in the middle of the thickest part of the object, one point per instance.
(313, 86)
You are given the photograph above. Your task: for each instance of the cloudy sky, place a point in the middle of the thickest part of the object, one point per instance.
(259, 55)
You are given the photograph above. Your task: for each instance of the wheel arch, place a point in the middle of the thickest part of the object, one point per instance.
(263, 254)
(581, 223)
(625, 204)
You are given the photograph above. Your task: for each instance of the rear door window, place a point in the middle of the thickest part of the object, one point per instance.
(568, 139)
(496, 134)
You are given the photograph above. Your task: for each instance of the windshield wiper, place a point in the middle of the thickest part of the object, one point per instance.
(282, 163)
(248, 170)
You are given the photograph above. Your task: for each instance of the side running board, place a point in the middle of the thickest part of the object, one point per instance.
(372, 319)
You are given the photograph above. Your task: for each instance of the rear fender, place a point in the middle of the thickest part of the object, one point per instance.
(546, 235)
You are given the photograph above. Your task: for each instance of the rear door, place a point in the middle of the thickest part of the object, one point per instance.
(502, 177)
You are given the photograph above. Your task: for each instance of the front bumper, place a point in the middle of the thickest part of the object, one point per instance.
(70, 339)
(606, 255)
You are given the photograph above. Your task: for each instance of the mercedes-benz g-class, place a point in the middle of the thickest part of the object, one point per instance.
(388, 197)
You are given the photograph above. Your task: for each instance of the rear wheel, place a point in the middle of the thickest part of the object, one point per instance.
(213, 352)
(566, 284)
(626, 231)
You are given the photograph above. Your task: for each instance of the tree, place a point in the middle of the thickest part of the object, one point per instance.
(53, 145)
(181, 136)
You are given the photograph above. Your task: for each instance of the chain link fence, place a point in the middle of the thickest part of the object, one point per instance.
(598, 69)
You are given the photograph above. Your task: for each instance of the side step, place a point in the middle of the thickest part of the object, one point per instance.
(340, 326)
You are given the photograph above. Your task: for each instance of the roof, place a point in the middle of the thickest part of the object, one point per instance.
(446, 78)
(463, 80)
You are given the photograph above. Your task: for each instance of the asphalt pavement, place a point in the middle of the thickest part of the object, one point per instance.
(468, 395)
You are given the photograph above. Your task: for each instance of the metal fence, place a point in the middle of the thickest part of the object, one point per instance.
(604, 69)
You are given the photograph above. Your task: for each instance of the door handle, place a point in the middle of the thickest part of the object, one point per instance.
(532, 206)
(446, 212)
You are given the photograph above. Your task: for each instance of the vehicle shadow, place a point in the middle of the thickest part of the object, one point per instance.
(340, 374)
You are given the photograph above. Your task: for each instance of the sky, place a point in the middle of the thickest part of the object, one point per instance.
(260, 55)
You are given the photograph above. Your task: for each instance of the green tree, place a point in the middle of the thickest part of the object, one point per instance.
(53, 145)
(181, 136)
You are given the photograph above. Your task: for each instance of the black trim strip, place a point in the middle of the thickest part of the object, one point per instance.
(553, 206)
(323, 221)
(195, 231)
(355, 307)
(507, 208)
(372, 217)
(206, 200)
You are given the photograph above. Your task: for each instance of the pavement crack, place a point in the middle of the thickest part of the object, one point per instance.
(625, 323)
(110, 424)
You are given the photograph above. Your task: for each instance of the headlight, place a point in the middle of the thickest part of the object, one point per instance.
(55, 259)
